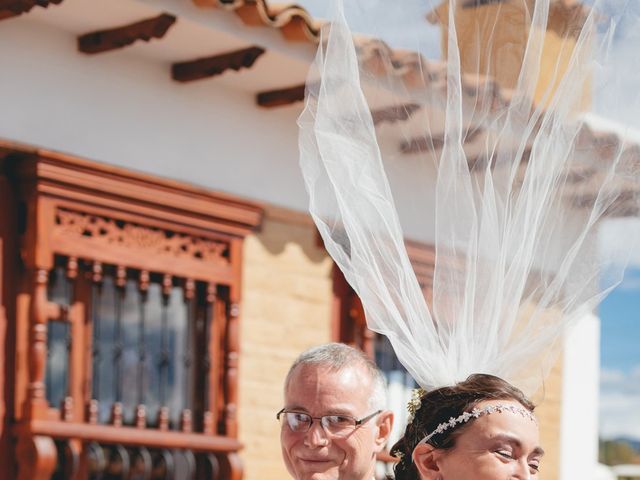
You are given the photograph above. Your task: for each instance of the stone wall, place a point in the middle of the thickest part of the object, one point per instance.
(286, 308)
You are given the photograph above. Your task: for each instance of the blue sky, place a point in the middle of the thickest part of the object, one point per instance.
(620, 315)
(620, 359)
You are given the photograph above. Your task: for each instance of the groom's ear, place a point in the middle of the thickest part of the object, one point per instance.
(384, 425)
(426, 459)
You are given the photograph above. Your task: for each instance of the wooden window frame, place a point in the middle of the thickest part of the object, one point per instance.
(44, 185)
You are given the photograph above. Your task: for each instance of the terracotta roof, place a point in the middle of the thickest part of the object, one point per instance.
(415, 71)
(294, 21)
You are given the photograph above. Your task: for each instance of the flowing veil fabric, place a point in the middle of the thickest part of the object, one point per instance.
(508, 154)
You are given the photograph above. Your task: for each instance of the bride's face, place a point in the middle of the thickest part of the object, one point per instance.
(498, 446)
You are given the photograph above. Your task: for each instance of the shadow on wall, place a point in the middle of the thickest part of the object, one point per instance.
(285, 230)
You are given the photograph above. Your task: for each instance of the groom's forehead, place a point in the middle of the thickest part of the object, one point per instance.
(350, 382)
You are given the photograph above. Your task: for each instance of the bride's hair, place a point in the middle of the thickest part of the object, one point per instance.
(438, 406)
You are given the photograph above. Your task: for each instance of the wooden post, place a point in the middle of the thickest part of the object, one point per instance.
(233, 344)
(36, 401)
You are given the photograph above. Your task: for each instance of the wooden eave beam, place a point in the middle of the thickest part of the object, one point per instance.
(119, 37)
(430, 143)
(479, 3)
(215, 65)
(277, 98)
(13, 8)
(397, 113)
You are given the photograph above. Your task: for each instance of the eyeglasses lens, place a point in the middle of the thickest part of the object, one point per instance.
(298, 422)
(334, 424)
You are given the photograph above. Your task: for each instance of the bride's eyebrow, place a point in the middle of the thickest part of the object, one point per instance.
(515, 441)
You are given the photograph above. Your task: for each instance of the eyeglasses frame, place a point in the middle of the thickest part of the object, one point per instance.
(357, 422)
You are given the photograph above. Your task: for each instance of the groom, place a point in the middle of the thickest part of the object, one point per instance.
(334, 420)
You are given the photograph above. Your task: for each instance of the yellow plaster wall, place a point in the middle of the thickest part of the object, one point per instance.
(286, 308)
(548, 411)
(492, 40)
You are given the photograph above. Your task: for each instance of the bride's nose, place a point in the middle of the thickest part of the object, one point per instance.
(522, 471)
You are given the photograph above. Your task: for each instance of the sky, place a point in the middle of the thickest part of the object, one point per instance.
(614, 100)
(620, 359)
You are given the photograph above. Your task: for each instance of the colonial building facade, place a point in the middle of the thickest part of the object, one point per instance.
(158, 272)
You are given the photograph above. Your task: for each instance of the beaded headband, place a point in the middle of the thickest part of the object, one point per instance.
(477, 413)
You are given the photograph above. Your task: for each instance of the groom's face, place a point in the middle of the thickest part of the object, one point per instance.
(318, 454)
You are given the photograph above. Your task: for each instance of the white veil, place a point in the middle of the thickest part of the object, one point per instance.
(499, 154)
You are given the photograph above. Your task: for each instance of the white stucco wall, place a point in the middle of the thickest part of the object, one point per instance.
(581, 366)
(123, 109)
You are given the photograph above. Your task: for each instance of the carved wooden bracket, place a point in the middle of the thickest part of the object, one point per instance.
(112, 39)
(277, 98)
(13, 8)
(215, 65)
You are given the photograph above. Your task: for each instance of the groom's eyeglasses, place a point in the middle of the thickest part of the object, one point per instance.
(300, 422)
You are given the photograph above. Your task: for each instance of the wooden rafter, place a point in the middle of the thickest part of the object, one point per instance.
(215, 65)
(397, 113)
(426, 143)
(119, 37)
(277, 98)
(430, 143)
(13, 8)
(479, 3)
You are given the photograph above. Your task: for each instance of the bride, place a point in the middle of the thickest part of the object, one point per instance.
(482, 429)
(512, 171)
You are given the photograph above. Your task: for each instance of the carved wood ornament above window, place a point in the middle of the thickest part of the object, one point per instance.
(126, 301)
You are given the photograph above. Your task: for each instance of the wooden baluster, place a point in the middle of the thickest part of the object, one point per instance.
(233, 343)
(189, 289)
(143, 281)
(207, 423)
(67, 409)
(92, 411)
(116, 408)
(231, 380)
(141, 410)
(96, 279)
(37, 403)
(163, 418)
(116, 414)
(230, 466)
(167, 284)
(36, 457)
(96, 272)
(163, 413)
(76, 337)
(186, 421)
(121, 276)
(72, 268)
(212, 346)
(141, 416)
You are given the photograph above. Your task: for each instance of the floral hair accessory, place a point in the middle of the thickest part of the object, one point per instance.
(415, 403)
(477, 413)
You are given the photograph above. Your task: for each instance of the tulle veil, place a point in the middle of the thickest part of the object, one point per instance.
(507, 153)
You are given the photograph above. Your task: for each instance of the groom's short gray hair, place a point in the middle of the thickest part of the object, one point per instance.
(337, 356)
